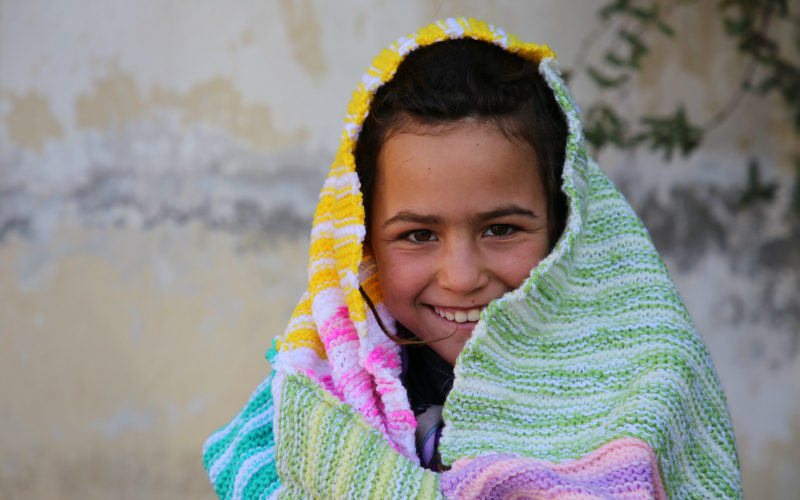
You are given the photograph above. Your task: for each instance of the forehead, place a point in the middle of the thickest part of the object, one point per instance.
(455, 172)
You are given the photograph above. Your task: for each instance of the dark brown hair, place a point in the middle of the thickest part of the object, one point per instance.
(469, 80)
(465, 79)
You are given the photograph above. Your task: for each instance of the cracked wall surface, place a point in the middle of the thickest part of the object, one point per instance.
(159, 168)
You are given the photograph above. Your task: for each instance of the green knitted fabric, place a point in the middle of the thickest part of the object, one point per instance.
(596, 345)
(331, 452)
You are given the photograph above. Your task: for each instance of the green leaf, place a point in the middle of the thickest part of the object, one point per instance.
(616, 7)
(605, 81)
(759, 46)
(637, 46)
(738, 27)
(645, 14)
(794, 208)
(783, 7)
(633, 39)
(670, 134)
(604, 127)
(755, 191)
(665, 28)
(784, 79)
(615, 60)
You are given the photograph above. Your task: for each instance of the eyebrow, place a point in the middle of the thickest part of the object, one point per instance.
(504, 211)
(408, 216)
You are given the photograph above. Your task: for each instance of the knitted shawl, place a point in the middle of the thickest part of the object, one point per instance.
(589, 381)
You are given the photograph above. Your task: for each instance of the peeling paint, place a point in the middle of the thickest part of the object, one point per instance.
(116, 101)
(303, 30)
(218, 102)
(258, 197)
(31, 123)
(704, 57)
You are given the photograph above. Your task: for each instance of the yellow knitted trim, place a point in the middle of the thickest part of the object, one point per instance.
(343, 205)
(302, 332)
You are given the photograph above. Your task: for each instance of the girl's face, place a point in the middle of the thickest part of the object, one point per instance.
(459, 218)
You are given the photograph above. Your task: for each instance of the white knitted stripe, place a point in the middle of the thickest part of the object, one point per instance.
(406, 45)
(319, 264)
(326, 304)
(254, 422)
(347, 185)
(349, 280)
(250, 467)
(452, 27)
(322, 229)
(345, 235)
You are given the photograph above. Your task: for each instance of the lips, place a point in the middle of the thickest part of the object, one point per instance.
(458, 315)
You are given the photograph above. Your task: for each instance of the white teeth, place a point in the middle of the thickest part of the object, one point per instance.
(460, 316)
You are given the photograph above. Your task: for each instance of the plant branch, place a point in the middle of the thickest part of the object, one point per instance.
(735, 99)
(746, 82)
(587, 42)
(625, 89)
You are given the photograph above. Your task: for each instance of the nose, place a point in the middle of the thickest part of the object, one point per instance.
(462, 269)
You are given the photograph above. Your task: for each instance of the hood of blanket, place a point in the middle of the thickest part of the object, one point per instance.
(337, 257)
(594, 346)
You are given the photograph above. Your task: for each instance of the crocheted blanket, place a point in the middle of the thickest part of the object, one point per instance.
(589, 381)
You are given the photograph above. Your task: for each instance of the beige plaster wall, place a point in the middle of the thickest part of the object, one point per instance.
(159, 166)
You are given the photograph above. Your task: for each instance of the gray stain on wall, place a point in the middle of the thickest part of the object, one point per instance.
(761, 243)
(153, 174)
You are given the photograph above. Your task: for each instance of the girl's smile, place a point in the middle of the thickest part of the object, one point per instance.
(459, 218)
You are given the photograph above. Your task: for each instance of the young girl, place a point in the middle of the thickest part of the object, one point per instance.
(482, 303)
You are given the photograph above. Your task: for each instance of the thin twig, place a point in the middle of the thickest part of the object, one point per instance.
(735, 99)
(625, 89)
(436, 13)
(747, 79)
(587, 43)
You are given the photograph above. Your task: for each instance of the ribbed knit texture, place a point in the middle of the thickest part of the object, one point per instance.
(625, 468)
(594, 352)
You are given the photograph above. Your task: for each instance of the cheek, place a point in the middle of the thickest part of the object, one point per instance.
(516, 267)
(402, 277)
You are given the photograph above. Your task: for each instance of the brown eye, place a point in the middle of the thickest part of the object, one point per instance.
(421, 235)
(499, 230)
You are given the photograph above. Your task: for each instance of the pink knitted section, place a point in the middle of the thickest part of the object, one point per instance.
(380, 357)
(624, 469)
(385, 367)
(373, 389)
(325, 381)
(351, 382)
